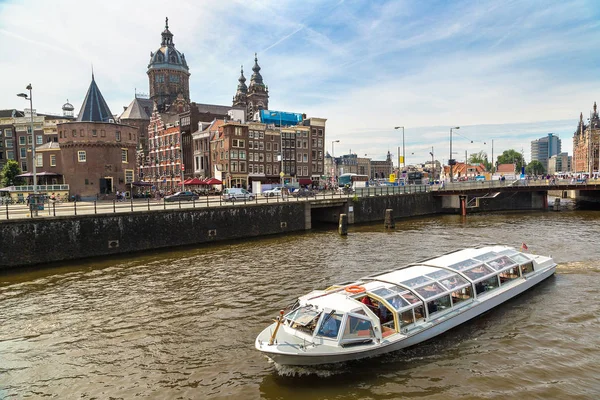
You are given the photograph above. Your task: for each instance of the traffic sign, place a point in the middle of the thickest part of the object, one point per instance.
(281, 174)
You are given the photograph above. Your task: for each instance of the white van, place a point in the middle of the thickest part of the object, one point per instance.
(233, 194)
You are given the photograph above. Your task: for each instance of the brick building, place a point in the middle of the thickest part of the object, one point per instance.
(97, 155)
(164, 167)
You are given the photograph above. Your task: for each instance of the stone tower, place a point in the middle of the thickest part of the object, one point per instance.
(168, 74)
(258, 93)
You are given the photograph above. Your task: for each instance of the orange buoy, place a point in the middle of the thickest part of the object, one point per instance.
(354, 289)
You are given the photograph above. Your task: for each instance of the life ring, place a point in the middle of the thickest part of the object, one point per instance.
(354, 289)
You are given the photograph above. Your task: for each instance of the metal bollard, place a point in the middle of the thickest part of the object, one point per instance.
(343, 226)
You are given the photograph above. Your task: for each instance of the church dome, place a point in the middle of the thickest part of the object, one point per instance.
(167, 56)
(68, 106)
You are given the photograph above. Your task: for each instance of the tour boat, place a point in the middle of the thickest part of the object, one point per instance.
(399, 308)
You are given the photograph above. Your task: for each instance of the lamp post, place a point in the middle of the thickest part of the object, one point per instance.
(334, 172)
(451, 161)
(432, 166)
(26, 97)
(281, 173)
(403, 148)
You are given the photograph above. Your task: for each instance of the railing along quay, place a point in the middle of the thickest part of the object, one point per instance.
(60, 209)
(546, 184)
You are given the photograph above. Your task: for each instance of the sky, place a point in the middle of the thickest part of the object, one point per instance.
(506, 72)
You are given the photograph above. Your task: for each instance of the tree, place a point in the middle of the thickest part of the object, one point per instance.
(535, 168)
(9, 174)
(512, 157)
(480, 158)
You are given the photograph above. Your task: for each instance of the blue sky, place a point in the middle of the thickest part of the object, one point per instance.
(511, 71)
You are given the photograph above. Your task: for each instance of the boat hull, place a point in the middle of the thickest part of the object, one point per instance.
(416, 335)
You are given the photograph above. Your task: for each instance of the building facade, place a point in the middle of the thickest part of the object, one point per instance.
(559, 163)
(544, 148)
(165, 165)
(586, 142)
(168, 75)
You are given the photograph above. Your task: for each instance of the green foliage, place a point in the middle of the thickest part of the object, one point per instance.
(8, 176)
(535, 168)
(480, 158)
(512, 157)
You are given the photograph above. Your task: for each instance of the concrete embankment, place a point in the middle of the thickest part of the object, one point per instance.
(39, 241)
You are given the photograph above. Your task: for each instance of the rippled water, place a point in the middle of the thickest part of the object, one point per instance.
(182, 324)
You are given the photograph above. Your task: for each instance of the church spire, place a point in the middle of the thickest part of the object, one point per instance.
(256, 76)
(242, 82)
(94, 107)
(167, 36)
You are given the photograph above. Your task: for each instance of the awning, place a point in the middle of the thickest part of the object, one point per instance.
(213, 181)
(305, 181)
(41, 173)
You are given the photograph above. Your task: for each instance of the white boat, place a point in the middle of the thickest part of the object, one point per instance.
(399, 308)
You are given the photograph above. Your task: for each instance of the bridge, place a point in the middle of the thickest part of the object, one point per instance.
(470, 193)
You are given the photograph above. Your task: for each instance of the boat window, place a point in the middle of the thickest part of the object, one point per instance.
(439, 304)
(304, 319)
(442, 273)
(508, 275)
(526, 268)
(330, 326)
(520, 258)
(486, 285)
(419, 313)
(397, 302)
(382, 292)
(462, 295)
(411, 298)
(464, 264)
(407, 318)
(500, 263)
(454, 281)
(486, 256)
(478, 272)
(430, 290)
(419, 280)
(358, 328)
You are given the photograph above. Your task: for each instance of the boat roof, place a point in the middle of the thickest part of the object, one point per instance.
(427, 279)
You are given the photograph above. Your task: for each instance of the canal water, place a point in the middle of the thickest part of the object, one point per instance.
(181, 324)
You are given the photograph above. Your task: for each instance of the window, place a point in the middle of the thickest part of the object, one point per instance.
(439, 304)
(234, 166)
(174, 78)
(269, 157)
(124, 155)
(8, 132)
(486, 285)
(330, 327)
(53, 160)
(81, 157)
(10, 155)
(94, 133)
(269, 169)
(358, 329)
(250, 156)
(159, 78)
(242, 166)
(74, 132)
(23, 164)
(9, 144)
(118, 136)
(81, 133)
(238, 131)
(251, 134)
(268, 146)
(128, 175)
(102, 133)
(39, 139)
(23, 152)
(242, 154)
(22, 140)
(39, 160)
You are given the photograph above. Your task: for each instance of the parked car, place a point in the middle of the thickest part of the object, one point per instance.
(303, 192)
(234, 194)
(181, 196)
(273, 192)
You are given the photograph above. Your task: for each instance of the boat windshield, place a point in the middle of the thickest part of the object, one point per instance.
(501, 263)
(303, 316)
(464, 264)
(478, 272)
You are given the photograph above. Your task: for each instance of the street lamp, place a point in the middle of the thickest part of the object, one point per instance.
(334, 172)
(403, 148)
(432, 166)
(281, 173)
(23, 95)
(451, 161)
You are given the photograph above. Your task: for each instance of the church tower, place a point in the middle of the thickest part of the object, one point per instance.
(258, 93)
(168, 75)
(241, 96)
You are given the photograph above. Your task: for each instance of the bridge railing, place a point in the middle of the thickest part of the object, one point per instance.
(10, 210)
(545, 183)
